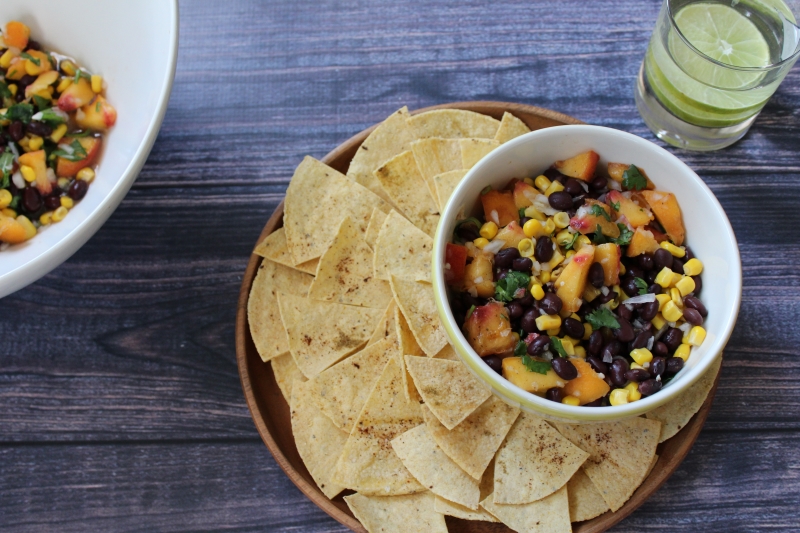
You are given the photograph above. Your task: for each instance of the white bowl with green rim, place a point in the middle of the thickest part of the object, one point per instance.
(708, 232)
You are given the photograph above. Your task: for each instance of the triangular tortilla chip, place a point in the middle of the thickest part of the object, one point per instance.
(455, 123)
(408, 190)
(391, 137)
(286, 372)
(447, 387)
(473, 150)
(416, 302)
(342, 390)
(402, 250)
(433, 469)
(385, 329)
(510, 127)
(620, 454)
(263, 313)
(447, 353)
(676, 414)
(397, 514)
(274, 248)
(408, 346)
(374, 227)
(322, 333)
(317, 200)
(533, 462)
(368, 463)
(345, 273)
(548, 515)
(434, 156)
(585, 501)
(317, 439)
(449, 508)
(474, 442)
(445, 183)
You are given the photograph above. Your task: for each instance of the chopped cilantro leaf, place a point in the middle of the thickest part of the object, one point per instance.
(521, 212)
(77, 154)
(520, 349)
(22, 112)
(6, 164)
(540, 367)
(35, 61)
(558, 347)
(602, 317)
(14, 202)
(598, 211)
(571, 244)
(598, 237)
(633, 180)
(42, 103)
(78, 74)
(486, 189)
(506, 287)
(51, 117)
(469, 312)
(615, 205)
(97, 107)
(5, 92)
(641, 285)
(625, 235)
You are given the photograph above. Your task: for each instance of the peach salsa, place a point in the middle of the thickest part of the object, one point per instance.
(576, 286)
(52, 119)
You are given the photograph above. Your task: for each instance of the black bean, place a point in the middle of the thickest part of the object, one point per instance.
(645, 261)
(629, 286)
(597, 275)
(641, 339)
(564, 368)
(31, 200)
(698, 285)
(39, 128)
(611, 349)
(661, 259)
(649, 311)
(649, 387)
(538, 345)
(560, 200)
(515, 310)
(635, 272)
(689, 253)
(695, 303)
(597, 403)
(597, 365)
(468, 231)
(466, 298)
(604, 298)
(672, 338)
(554, 395)
(551, 304)
(674, 365)
(495, 363)
(34, 45)
(693, 316)
(552, 174)
(523, 220)
(657, 366)
(528, 321)
(595, 344)
(573, 187)
(573, 328)
(52, 202)
(677, 266)
(625, 312)
(505, 258)
(625, 331)
(544, 250)
(637, 374)
(500, 273)
(522, 264)
(617, 372)
(598, 184)
(660, 349)
(655, 288)
(527, 300)
(16, 131)
(25, 80)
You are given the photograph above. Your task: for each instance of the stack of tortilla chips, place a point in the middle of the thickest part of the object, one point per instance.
(343, 307)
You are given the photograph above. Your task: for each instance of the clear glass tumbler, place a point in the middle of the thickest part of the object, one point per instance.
(711, 66)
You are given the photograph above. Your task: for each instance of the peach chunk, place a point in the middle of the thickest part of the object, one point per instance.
(499, 207)
(38, 63)
(608, 255)
(642, 242)
(37, 161)
(17, 35)
(572, 281)
(635, 214)
(524, 194)
(488, 330)
(668, 213)
(534, 382)
(616, 171)
(96, 116)
(12, 231)
(511, 234)
(16, 70)
(588, 386)
(76, 95)
(66, 168)
(581, 166)
(589, 217)
(41, 84)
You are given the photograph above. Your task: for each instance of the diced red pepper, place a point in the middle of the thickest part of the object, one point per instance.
(455, 256)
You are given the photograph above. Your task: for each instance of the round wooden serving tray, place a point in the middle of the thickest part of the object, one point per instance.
(271, 412)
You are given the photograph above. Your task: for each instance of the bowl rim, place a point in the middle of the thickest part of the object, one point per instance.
(49, 258)
(528, 401)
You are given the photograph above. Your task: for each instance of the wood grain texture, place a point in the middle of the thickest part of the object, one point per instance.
(120, 405)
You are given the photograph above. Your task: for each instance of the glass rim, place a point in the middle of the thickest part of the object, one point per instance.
(766, 68)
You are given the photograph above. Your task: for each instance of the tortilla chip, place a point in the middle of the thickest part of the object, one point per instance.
(368, 463)
(342, 390)
(533, 462)
(345, 273)
(444, 506)
(385, 329)
(548, 515)
(676, 414)
(447, 387)
(453, 123)
(286, 372)
(317, 439)
(322, 333)
(434, 156)
(620, 454)
(473, 150)
(402, 250)
(408, 346)
(374, 227)
(310, 267)
(409, 191)
(397, 514)
(391, 137)
(585, 501)
(433, 469)
(447, 353)
(416, 301)
(510, 127)
(445, 183)
(317, 200)
(474, 442)
(263, 313)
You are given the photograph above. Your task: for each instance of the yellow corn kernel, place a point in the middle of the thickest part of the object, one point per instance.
(480, 242)
(554, 187)
(35, 142)
(63, 85)
(541, 182)
(545, 277)
(571, 400)
(675, 296)
(662, 300)
(587, 331)
(569, 347)
(658, 322)
(685, 285)
(87, 174)
(97, 84)
(563, 237)
(683, 351)
(637, 366)
(63, 183)
(618, 397)
(641, 355)
(28, 173)
(582, 241)
(696, 336)
(622, 269)
(489, 230)
(671, 312)
(553, 332)
(580, 351)
(532, 212)
(59, 214)
(58, 133)
(5, 59)
(5, 198)
(24, 142)
(570, 253)
(664, 278)
(529, 181)
(525, 248)
(556, 260)
(590, 293)
(533, 229)
(561, 219)
(46, 218)
(67, 202)
(537, 292)
(68, 68)
(674, 250)
(13, 88)
(549, 226)
(8, 212)
(633, 392)
(693, 267)
(30, 229)
(544, 322)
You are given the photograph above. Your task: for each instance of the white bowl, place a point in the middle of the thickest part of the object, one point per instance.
(134, 46)
(708, 232)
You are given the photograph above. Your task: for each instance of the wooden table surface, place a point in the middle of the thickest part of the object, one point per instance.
(120, 402)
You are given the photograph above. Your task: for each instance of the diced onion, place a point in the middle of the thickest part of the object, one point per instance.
(604, 290)
(494, 246)
(640, 299)
(18, 180)
(650, 342)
